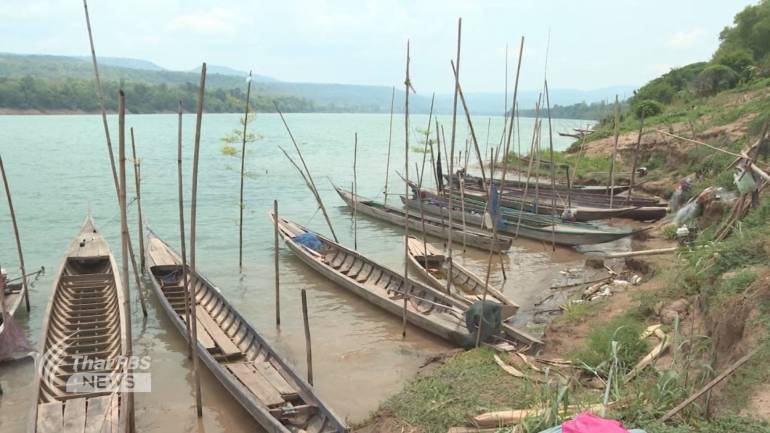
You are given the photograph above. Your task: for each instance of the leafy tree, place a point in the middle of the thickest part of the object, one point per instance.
(739, 61)
(715, 79)
(750, 32)
(232, 142)
(649, 107)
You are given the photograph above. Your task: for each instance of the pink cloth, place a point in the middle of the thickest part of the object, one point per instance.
(587, 422)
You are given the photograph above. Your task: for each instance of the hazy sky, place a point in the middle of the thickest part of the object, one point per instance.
(593, 43)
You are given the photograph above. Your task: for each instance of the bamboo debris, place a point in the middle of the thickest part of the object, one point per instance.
(243, 166)
(16, 235)
(640, 253)
(517, 416)
(509, 368)
(309, 179)
(654, 354)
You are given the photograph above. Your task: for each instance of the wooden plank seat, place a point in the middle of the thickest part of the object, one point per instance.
(203, 336)
(223, 342)
(257, 383)
(50, 417)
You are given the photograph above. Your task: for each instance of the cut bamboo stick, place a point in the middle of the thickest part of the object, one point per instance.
(16, 235)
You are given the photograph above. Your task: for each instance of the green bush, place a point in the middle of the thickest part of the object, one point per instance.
(739, 61)
(715, 79)
(649, 107)
(598, 353)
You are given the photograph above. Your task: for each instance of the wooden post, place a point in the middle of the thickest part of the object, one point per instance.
(390, 136)
(138, 187)
(553, 166)
(452, 149)
(420, 177)
(636, 160)
(309, 176)
(243, 166)
(182, 236)
(614, 150)
(355, 193)
(16, 233)
(535, 132)
(100, 97)
(308, 346)
(193, 214)
(277, 274)
(569, 187)
(407, 86)
(124, 238)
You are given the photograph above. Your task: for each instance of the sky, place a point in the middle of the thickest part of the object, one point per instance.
(588, 44)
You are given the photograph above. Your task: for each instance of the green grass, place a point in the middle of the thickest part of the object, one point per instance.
(625, 330)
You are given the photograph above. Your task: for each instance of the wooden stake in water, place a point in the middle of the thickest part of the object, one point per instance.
(100, 97)
(308, 346)
(124, 238)
(243, 166)
(182, 237)
(138, 187)
(407, 87)
(390, 136)
(277, 274)
(636, 158)
(314, 190)
(16, 234)
(614, 151)
(553, 167)
(355, 193)
(193, 214)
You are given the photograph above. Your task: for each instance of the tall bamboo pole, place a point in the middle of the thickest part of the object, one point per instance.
(193, 215)
(407, 87)
(100, 97)
(16, 234)
(182, 238)
(390, 136)
(243, 166)
(277, 274)
(452, 149)
(636, 159)
(420, 178)
(614, 150)
(553, 166)
(124, 239)
(355, 192)
(535, 132)
(138, 187)
(309, 176)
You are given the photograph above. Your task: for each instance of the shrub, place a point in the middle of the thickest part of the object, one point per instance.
(714, 79)
(598, 353)
(739, 61)
(649, 107)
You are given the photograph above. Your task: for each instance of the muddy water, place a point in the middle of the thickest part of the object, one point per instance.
(58, 169)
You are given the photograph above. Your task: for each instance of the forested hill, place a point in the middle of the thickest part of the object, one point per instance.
(43, 83)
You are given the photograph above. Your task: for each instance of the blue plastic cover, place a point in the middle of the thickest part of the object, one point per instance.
(309, 240)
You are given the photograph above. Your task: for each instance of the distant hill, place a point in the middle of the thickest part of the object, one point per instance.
(315, 96)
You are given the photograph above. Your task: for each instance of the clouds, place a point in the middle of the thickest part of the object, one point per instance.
(684, 40)
(214, 21)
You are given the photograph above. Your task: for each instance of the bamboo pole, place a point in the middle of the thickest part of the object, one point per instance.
(100, 97)
(193, 215)
(16, 234)
(182, 237)
(636, 159)
(553, 166)
(243, 166)
(452, 150)
(277, 274)
(432, 159)
(535, 133)
(309, 176)
(138, 187)
(614, 151)
(355, 192)
(407, 86)
(308, 346)
(390, 136)
(420, 177)
(124, 240)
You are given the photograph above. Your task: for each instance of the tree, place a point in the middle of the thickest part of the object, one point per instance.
(232, 141)
(715, 79)
(750, 31)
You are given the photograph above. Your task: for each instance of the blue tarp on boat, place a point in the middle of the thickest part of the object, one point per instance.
(309, 240)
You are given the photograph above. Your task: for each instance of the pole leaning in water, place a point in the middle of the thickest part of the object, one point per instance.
(243, 165)
(138, 187)
(407, 86)
(355, 193)
(124, 238)
(390, 136)
(100, 97)
(277, 275)
(193, 212)
(182, 238)
(452, 150)
(16, 234)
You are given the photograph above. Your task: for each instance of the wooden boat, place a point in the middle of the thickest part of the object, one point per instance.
(433, 226)
(433, 265)
(427, 308)
(12, 297)
(241, 359)
(559, 233)
(86, 317)
(561, 187)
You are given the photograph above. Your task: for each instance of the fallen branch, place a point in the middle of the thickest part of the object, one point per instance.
(640, 253)
(509, 368)
(516, 416)
(652, 356)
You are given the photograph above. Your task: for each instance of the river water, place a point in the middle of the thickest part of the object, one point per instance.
(58, 170)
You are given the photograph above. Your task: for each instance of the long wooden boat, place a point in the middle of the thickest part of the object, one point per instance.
(427, 308)
(433, 265)
(601, 190)
(562, 234)
(86, 319)
(433, 226)
(12, 297)
(241, 359)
